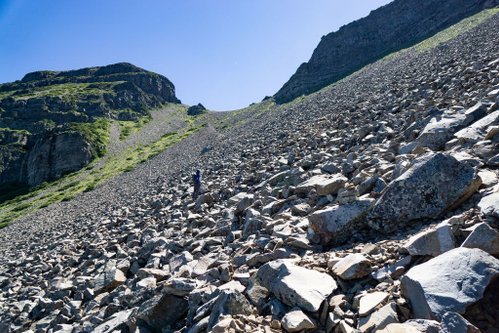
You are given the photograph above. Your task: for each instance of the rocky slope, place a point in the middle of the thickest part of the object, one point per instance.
(47, 114)
(390, 28)
(370, 206)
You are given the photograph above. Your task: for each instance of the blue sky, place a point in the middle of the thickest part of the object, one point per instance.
(225, 54)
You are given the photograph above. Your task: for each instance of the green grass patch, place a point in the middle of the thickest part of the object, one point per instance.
(71, 91)
(455, 30)
(128, 127)
(97, 133)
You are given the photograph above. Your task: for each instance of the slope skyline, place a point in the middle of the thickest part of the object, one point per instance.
(225, 55)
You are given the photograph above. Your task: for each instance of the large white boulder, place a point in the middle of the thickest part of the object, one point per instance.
(449, 282)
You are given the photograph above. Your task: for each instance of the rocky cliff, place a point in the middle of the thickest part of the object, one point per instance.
(42, 115)
(390, 28)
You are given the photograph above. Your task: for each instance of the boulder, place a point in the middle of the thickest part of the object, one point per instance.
(433, 185)
(380, 319)
(162, 311)
(454, 323)
(295, 285)
(196, 110)
(449, 282)
(478, 130)
(441, 128)
(370, 302)
(296, 321)
(323, 184)
(353, 266)
(489, 204)
(334, 225)
(432, 242)
(109, 278)
(229, 302)
(413, 326)
(117, 322)
(483, 237)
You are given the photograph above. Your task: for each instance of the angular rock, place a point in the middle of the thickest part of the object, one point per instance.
(413, 326)
(323, 184)
(483, 237)
(180, 260)
(449, 282)
(380, 319)
(353, 266)
(478, 130)
(296, 286)
(434, 184)
(489, 205)
(110, 278)
(370, 302)
(454, 323)
(162, 311)
(117, 322)
(432, 242)
(334, 225)
(441, 128)
(296, 320)
(229, 302)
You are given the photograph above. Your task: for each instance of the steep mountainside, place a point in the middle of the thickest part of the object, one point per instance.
(52, 123)
(371, 206)
(390, 28)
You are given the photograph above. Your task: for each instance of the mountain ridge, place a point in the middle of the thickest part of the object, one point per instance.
(385, 30)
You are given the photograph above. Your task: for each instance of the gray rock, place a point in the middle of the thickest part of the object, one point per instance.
(483, 237)
(449, 282)
(454, 323)
(180, 260)
(413, 326)
(117, 322)
(432, 242)
(323, 184)
(229, 302)
(380, 319)
(353, 266)
(334, 225)
(478, 130)
(434, 184)
(110, 278)
(441, 128)
(296, 286)
(489, 204)
(162, 311)
(296, 321)
(371, 301)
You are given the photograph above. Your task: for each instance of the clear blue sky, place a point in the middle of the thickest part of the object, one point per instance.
(225, 54)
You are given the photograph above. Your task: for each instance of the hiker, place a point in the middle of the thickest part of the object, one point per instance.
(196, 178)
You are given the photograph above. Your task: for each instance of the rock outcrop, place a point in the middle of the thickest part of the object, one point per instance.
(37, 142)
(392, 27)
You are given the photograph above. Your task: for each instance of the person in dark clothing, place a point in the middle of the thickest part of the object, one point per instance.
(196, 179)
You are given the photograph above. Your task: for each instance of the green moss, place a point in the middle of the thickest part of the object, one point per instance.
(17, 131)
(96, 133)
(128, 127)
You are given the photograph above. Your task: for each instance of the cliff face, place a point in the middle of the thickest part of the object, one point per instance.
(390, 28)
(41, 117)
